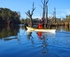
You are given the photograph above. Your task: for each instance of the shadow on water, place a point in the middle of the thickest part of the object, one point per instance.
(8, 32)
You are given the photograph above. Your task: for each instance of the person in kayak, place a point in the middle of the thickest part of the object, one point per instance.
(43, 22)
(40, 26)
(25, 26)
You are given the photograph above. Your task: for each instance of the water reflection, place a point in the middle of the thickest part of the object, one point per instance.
(9, 32)
(11, 38)
(64, 28)
(35, 44)
(43, 38)
(30, 37)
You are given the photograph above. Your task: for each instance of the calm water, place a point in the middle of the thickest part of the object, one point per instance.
(16, 42)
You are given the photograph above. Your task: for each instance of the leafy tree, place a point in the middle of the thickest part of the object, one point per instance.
(6, 15)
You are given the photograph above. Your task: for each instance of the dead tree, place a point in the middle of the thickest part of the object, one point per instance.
(45, 12)
(30, 14)
(54, 15)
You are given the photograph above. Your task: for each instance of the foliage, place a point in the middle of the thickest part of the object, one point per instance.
(67, 19)
(6, 14)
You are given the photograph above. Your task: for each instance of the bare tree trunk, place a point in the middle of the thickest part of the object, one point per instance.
(45, 13)
(30, 14)
(43, 10)
(31, 22)
(46, 16)
(55, 14)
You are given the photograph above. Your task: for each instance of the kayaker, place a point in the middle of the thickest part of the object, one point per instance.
(43, 22)
(40, 25)
(25, 25)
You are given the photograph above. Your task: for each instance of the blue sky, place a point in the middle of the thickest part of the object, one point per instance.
(62, 7)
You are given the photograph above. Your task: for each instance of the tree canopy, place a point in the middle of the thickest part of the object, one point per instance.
(7, 14)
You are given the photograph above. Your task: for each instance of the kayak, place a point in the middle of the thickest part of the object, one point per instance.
(30, 29)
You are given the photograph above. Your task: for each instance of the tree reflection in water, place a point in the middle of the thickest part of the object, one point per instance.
(43, 37)
(30, 37)
(9, 33)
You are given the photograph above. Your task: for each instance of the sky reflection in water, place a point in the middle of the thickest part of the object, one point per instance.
(34, 44)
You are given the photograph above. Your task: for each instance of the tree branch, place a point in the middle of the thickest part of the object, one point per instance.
(47, 2)
(33, 9)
